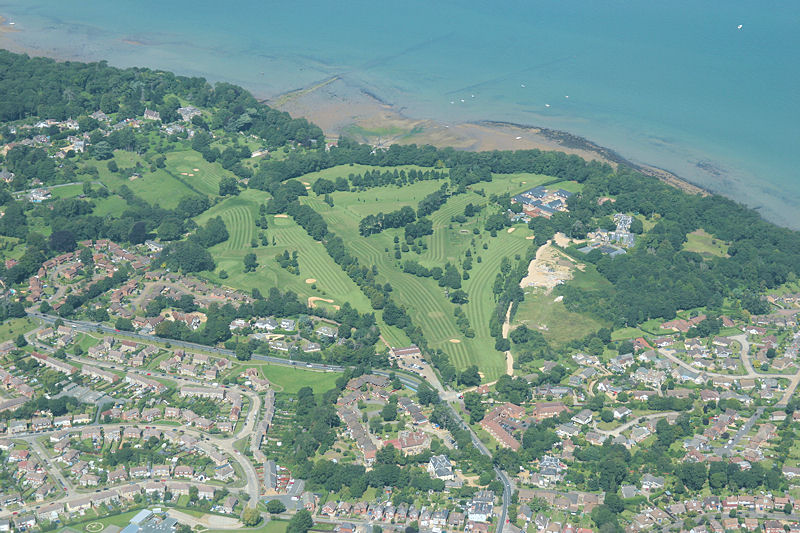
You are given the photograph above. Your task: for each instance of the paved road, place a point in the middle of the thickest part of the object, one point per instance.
(742, 340)
(51, 467)
(224, 444)
(412, 382)
(727, 450)
(617, 430)
(669, 354)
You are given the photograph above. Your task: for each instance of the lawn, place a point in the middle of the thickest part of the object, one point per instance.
(271, 526)
(158, 188)
(13, 327)
(343, 171)
(426, 301)
(205, 179)
(513, 184)
(67, 191)
(540, 310)
(111, 205)
(705, 244)
(239, 213)
(290, 379)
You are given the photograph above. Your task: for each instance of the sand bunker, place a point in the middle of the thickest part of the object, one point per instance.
(455, 341)
(282, 216)
(196, 169)
(184, 173)
(312, 301)
(530, 237)
(305, 183)
(511, 230)
(549, 269)
(562, 240)
(190, 174)
(310, 280)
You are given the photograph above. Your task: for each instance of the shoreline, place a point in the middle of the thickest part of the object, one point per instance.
(340, 108)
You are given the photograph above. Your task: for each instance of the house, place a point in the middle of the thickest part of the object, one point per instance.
(583, 418)
(651, 482)
(621, 412)
(439, 467)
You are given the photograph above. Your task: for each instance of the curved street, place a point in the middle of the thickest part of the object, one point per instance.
(226, 444)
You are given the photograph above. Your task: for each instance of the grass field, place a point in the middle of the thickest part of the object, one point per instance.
(113, 204)
(513, 183)
(291, 379)
(13, 327)
(331, 283)
(539, 309)
(705, 244)
(67, 191)
(342, 171)
(426, 301)
(205, 180)
(158, 188)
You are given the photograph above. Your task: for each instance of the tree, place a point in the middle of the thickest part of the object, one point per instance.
(614, 503)
(170, 230)
(301, 522)
(20, 341)
(228, 186)
(138, 233)
(62, 241)
(275, 507)
(470, 377)
(124, 324)
(243, 351)
(251, 516)
(250, 262)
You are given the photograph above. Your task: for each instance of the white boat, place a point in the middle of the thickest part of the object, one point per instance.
(547, 105)
(739, 26)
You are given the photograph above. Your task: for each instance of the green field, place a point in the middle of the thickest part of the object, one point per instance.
(291, 379)
(158, 188)
(113, 204)
(426, 301)
(513, 183)
(705, 244)
(67, 191)
(342, 171)
(205, 180)
(540, 310)
(331, 283)
(14, 326)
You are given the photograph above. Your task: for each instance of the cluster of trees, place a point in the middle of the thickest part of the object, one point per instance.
(377, 178)
(288, 262)
(372, 224)
(56, 406)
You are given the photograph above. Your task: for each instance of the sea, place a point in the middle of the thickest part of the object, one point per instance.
(708, 90)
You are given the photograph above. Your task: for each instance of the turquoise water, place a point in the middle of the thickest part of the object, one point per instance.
(671, 84)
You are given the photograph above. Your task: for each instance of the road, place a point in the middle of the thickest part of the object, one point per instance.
(224, 444)
(617, 430)
(253, 486)
(745, 344)
(727, 450)
(750, 373)
(51, 467)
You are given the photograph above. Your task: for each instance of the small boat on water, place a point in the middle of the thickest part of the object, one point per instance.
(547, 105)
(739, 27)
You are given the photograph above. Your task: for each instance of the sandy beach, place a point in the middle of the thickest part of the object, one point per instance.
(342, 109)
